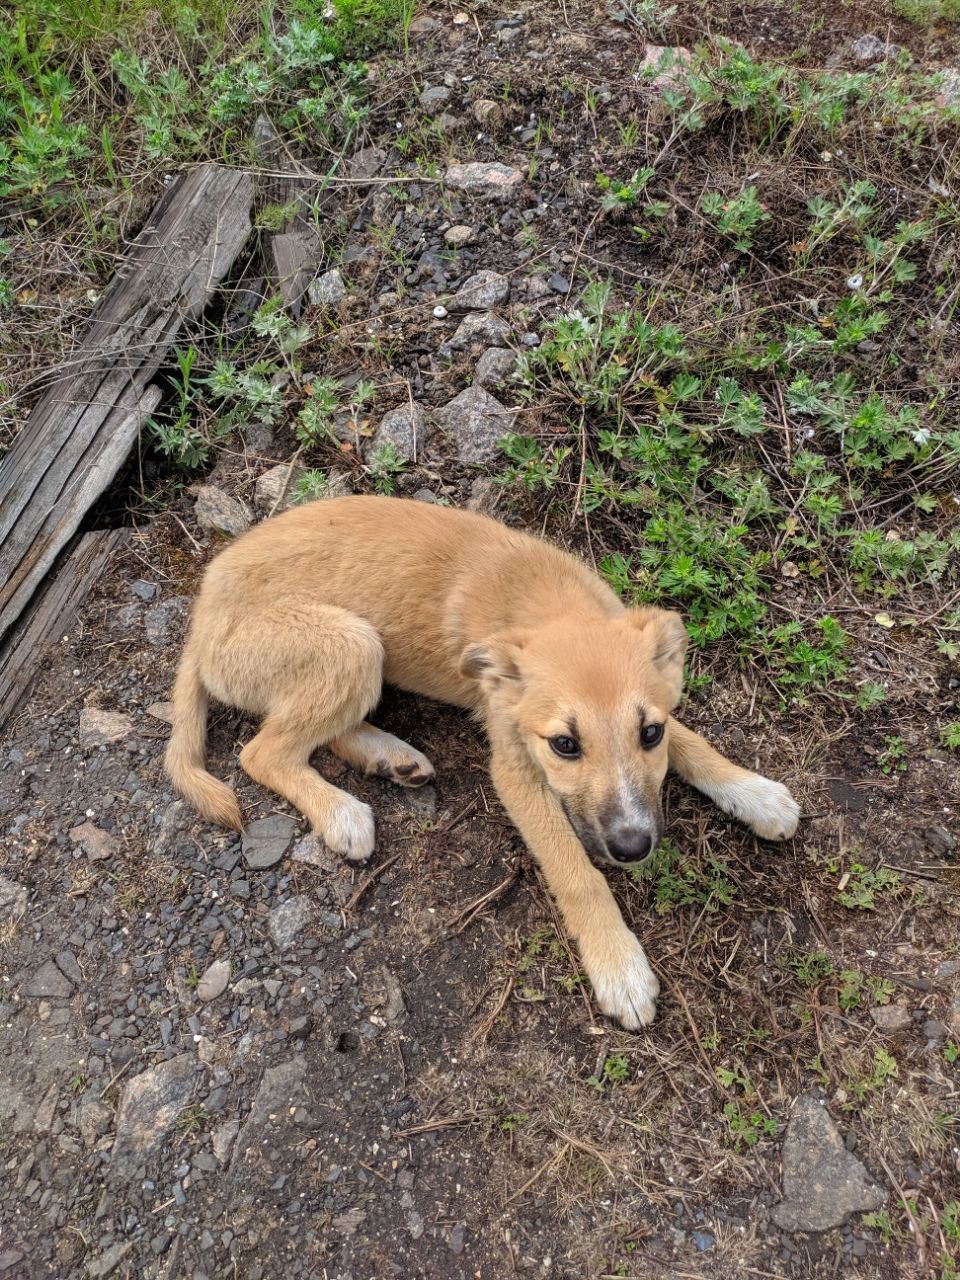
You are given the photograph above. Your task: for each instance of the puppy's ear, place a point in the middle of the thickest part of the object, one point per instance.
(495, 661)
(665, 633)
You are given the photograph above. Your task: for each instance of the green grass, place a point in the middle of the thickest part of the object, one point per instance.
(766, 428)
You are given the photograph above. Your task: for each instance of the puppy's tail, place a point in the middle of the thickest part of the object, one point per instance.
(187, 751)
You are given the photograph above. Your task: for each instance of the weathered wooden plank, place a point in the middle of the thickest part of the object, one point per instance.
(292, 254)
(82, 429)
(53, 614)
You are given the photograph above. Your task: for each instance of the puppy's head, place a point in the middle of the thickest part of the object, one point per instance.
(587, 701)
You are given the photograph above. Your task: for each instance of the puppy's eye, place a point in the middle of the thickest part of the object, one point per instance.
(651, 734)
(567, 748)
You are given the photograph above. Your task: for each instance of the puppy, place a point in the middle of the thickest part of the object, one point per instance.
(301, 620)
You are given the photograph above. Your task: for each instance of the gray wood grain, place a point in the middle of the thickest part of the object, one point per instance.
(81, 431)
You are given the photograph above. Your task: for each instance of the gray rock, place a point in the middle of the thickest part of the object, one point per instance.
(151, 1103)
(314, 853)
(161, 711)
(949, 95)
(559, 284)
(535, 287)
(892, 1018)
(223, 1139)
(48, 983)
(288, 920)
(145, 590)
(869, 48)
(159, 620)
(218, 512)
(176, 821)
(457, 1238)
(109, 1260)
(327, 290)
(96, 844)
(485, 495)
(494, 366)
(459, 236)
(366, 163)
(13, 899)
(420, 802)
(939, 840)
(420, 28)
(214, 981)
(282, 1091)
(433, 98)
(415, 1224)
(66, 962)
(100, 728)
(274, 489)
(482, 291)
(476, 422)
(482, 329)
(405, 428)
(823, 1183)
(491, 181)
(484, 110)
(265, 841)
(93, 1121)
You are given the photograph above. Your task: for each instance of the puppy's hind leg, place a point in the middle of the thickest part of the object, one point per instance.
(325, 674)
(765, 806)
(375, 752)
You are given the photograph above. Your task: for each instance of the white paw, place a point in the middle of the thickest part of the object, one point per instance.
(624, 984)
(401, 763)
(349, 829)
(767, 807)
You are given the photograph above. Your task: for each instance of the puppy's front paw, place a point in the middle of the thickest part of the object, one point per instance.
(770, 811)
(623, 982)
(348, 828)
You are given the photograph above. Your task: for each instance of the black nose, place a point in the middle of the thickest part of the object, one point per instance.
(629, 846)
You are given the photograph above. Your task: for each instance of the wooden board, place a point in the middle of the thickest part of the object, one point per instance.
(53, 613)
(82, 430)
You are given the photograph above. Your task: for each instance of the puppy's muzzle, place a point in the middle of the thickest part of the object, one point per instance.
(628, 845)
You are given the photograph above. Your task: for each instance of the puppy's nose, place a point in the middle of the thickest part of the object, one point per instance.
(629, 846)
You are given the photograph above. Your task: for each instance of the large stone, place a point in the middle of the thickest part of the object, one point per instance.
(13, 899)
(265, 841)
(459, 235)
(274, 490)
(48, 983)
(823, 1183)
(476, 422)
(218, 512)
(214, 981)
(151, 1103)
(288, 920)
(892, 1018)
(108, 1261)
(481, 329)
(492, 181)
(494, 366)
(327, 290)
(869, 48)
(405, 428)
(366, 163)
(482, 291)
(434, 99)
(100, 728)
(949, 95)
(96, 844)
(662, 67)
(282, 1091)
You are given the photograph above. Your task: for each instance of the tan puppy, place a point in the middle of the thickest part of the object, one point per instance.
(303, 618)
